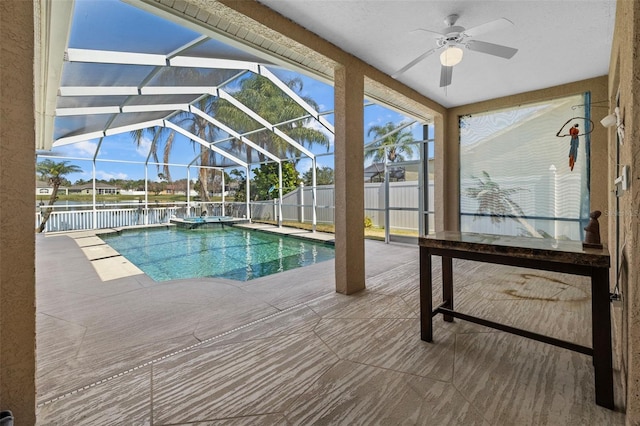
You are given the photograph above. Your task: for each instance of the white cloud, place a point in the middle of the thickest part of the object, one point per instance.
(106, 175)
(143, 147)
(83, 149)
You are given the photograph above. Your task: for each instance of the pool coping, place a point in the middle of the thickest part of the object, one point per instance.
(304, 234)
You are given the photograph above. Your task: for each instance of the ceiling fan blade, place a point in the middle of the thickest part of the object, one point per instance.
(491, 49)
(414, 62)
(445, 75)
(435, 33)
(496, 25)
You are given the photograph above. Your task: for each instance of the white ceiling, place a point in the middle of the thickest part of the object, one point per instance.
(559, 41)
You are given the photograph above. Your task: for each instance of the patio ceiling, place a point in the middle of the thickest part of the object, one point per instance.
(558, 41)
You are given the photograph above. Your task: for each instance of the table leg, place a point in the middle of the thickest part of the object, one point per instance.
(426, 296)
(447, 286)
(601, 329)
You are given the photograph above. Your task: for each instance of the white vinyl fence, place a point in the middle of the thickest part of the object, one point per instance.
(297, 206)
(80, 217)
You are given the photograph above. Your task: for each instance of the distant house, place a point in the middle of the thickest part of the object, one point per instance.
(178, 189)
(45, 188)
(101, 189)
(232, 187)
(172, 189)
(375, 173)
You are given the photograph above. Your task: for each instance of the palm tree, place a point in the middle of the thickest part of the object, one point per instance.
(261, 96)
(394, 146)
(267, 100)
(53, 173)
(496, 202)
(163, 138)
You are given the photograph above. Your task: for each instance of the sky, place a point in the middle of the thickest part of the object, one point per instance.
(103, 24)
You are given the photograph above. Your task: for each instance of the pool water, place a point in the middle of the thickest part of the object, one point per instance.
(237, 254)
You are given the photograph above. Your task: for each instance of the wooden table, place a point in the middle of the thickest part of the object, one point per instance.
(534, 253)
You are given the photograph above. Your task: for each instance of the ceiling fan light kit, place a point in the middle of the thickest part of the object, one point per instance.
(454, 38)
(451, 56)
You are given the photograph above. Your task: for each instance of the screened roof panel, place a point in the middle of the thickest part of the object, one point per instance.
(216, 49)
(106, 75)
(89, 101)
(115, 25)
(182, 76)
(149, 69)
(80, 124)
(126, 119)
(162, 99)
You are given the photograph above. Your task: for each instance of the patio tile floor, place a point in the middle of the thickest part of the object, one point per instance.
(287, 350)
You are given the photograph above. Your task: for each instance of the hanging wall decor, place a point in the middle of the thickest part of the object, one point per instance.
(574, 134)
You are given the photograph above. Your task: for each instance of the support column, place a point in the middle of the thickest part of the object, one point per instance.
(447, 165)
(349, 180)
(17, 211)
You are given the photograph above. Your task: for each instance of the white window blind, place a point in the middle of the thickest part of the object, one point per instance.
(515, 176)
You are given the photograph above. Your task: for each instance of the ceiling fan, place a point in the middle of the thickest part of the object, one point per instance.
(454, 38)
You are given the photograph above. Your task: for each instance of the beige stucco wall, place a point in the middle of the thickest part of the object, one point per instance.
(17, 179)
(449, 166)
(624, 76)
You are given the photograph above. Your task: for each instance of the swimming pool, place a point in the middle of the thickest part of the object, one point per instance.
(234, 253)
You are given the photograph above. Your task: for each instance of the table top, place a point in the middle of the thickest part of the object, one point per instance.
(565, 251)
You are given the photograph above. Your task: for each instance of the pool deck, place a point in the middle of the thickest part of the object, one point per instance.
(115, 347)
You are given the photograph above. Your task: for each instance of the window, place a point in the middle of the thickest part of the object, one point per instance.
(515, 174)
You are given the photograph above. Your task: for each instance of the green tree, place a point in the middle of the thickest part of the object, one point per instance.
(266, 181)
(395, 147)
(496, 202)
(238, 176)
(324, 176)
(155, 187)
(53, 173)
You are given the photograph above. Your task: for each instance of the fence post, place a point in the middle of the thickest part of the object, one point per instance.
(301, 203)
(275, 212)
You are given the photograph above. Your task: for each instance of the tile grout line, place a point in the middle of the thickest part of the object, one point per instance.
(179, 351)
